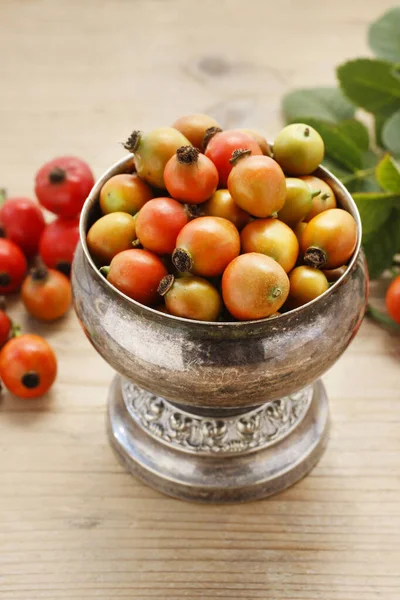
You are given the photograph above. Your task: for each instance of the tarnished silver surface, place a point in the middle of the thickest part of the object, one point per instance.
(218, 477)
(216, 370)
(217, 365)
(242, 433)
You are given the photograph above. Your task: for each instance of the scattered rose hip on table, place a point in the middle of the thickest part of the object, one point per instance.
(46, 294)
(5, 326)
(13, 266)
(393, 299)
(63, 184)
(22, 222)
(58, 243)
(28, 366)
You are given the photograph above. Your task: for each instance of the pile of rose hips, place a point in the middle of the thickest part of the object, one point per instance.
(28, 365)
(210, 226)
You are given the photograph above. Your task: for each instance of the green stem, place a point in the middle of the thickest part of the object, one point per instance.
(15, 330)
(358, 175)
(382, 318)
(104, 271)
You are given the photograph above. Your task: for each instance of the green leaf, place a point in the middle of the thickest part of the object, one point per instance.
(391, 134)
(384, 35)
(328, 104)
(383, 318)
(336, 169)
(388, 174)
(382, 245)
(355, 131)
(338, 146)
(371, 85)
(378, 126)
(374, 209)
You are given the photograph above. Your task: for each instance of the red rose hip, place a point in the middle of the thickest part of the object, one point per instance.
(190, 176)
(206, 246)
(137, 274)
(63, 184)
(219, 146)
(159, 223)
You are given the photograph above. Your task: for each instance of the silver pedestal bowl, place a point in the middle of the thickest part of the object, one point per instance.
(219, 412)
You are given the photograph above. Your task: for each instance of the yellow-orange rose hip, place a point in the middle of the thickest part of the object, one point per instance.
(329, 239)
(272, 238)
(257, 184)
(254, 286)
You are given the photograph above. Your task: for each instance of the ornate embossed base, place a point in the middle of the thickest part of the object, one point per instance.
(233, 458)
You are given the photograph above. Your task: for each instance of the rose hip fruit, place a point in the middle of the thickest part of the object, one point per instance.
(298, 201)
(124, 193)
(5, 326)
(159, 223)
(392, 300)
(329, 239)
(153, 150)
(221, 204)
(219, 146)
(22, 222)
(205, 246)
(194, 127)
(306, 284)
(257, 184)
(190, 176)
(260, 139)
(58, 243)
(46, 294)
(191, 298)
(272, 238)
(254, 286)
(299, 149)
(28, 366)
(322, 201)
(63, 184)
(137, 274)
(111, 234)
(13, 266)
(335, 274)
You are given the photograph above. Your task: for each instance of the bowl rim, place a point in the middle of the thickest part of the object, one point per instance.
(126, 162)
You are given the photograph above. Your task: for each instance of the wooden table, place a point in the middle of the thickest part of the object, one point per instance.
(77, 77)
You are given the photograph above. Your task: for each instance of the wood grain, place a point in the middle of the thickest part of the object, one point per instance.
(76, 78)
